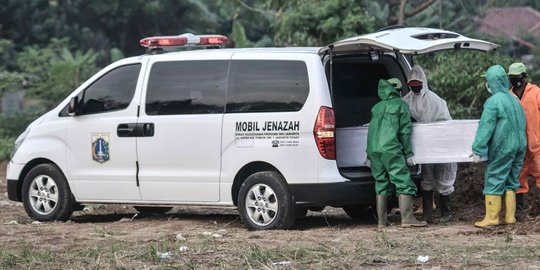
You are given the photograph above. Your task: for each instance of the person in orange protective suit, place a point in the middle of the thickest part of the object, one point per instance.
(529, 97)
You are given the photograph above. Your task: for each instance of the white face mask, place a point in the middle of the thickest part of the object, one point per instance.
(487, 87)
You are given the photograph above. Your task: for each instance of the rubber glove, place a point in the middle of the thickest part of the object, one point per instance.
(411, 162)
(475, 158)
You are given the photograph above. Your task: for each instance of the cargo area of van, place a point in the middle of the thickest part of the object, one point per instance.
(354, 92)
(354, 83)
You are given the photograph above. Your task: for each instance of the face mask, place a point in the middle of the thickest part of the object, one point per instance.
(416, 89)
(487, 87)
(516, 82)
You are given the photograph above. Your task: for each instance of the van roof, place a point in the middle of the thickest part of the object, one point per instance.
(308, 50)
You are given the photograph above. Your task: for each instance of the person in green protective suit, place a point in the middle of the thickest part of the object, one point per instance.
(501, 137)
(389, 152)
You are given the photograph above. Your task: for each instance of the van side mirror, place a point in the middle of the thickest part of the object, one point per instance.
(73, 107)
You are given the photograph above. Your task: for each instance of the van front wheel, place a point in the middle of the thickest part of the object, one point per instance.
(46, 194)
(264, 202)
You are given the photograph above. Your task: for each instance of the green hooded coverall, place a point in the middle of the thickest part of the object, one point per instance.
(501, 135)
(389, 142)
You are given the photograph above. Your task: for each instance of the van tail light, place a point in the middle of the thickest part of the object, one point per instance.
(324, 132)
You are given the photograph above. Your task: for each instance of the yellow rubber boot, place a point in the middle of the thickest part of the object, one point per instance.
(493, 208)
(510, 205)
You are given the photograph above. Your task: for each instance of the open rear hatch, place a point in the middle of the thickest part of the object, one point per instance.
(355, 67)
(409, 40)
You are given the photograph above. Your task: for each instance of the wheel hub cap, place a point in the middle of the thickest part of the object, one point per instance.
(261, 204)
(43, 194)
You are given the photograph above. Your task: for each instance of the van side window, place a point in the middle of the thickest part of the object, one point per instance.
(267, 86)
(113, 91)
(187, 87)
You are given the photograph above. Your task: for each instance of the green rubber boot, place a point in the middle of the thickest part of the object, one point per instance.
(520, 205)
(382, 209)
(446, 213)
(427, 206)
(406, 209)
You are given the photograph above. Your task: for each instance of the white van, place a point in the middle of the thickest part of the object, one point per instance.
(253, 128)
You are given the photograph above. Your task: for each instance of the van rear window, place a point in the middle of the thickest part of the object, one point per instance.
(267, 86)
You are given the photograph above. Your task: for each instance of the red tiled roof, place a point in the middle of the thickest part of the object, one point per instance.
(512, 22)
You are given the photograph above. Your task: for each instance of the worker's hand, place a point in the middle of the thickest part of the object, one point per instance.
(475, 158)
(367, 163)
(411, 162)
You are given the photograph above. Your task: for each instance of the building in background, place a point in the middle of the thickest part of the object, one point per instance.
(516, 23)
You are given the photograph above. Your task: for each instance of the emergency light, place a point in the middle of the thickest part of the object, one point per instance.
(187, 39)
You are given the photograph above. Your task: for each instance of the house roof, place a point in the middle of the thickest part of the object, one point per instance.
(512, 22)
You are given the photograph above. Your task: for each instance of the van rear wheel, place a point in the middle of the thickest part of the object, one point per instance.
(264, 202)
(46, 194)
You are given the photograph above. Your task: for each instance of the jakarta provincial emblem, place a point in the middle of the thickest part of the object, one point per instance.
(100, 147)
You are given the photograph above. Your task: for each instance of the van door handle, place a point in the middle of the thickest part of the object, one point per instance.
(147, 129)
(126, 130)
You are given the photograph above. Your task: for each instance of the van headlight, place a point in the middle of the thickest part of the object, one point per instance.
(18, 143)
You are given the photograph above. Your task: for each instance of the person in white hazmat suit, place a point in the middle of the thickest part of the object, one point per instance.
(426, 106)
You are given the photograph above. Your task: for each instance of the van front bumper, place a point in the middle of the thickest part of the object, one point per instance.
(334, 194)
(12, 190)
(12, 175)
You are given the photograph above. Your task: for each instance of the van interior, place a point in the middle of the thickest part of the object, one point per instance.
(354, 84)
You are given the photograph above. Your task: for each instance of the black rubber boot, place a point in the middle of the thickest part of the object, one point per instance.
(382, 211)
(446, 213)
(406, 209)
(520, 205)
(427, 206)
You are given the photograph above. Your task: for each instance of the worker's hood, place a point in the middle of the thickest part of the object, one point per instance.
(417, 74)
(497, 79)
(387, 91)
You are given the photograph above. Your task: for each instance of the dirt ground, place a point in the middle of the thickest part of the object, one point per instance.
(112, 237)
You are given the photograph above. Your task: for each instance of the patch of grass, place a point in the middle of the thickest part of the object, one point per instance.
(384, 240)
(508, 237)
(8, 259)
(91, 252)
(257, 256)
(26, 255)
(105, 232)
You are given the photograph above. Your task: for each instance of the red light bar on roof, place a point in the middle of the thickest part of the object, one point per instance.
(183, 40)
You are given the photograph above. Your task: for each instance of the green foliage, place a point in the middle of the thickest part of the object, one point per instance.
(116, 54)
(55, 71)
(456, 76)
(47, 75)
(10, 81)
(6, 144)
(7, 54)
(11, 125)
(239, 36)
(317, 23)
(102, 24)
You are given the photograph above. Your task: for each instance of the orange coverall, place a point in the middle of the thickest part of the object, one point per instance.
(530, 101)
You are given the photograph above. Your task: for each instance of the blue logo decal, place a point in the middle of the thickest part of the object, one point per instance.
(100, 147)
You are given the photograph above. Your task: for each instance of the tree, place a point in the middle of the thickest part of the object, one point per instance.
(317, 23)
(300, 22)
(457, 77)
(391, 12)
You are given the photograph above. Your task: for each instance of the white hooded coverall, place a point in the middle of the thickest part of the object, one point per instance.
(427, 106)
